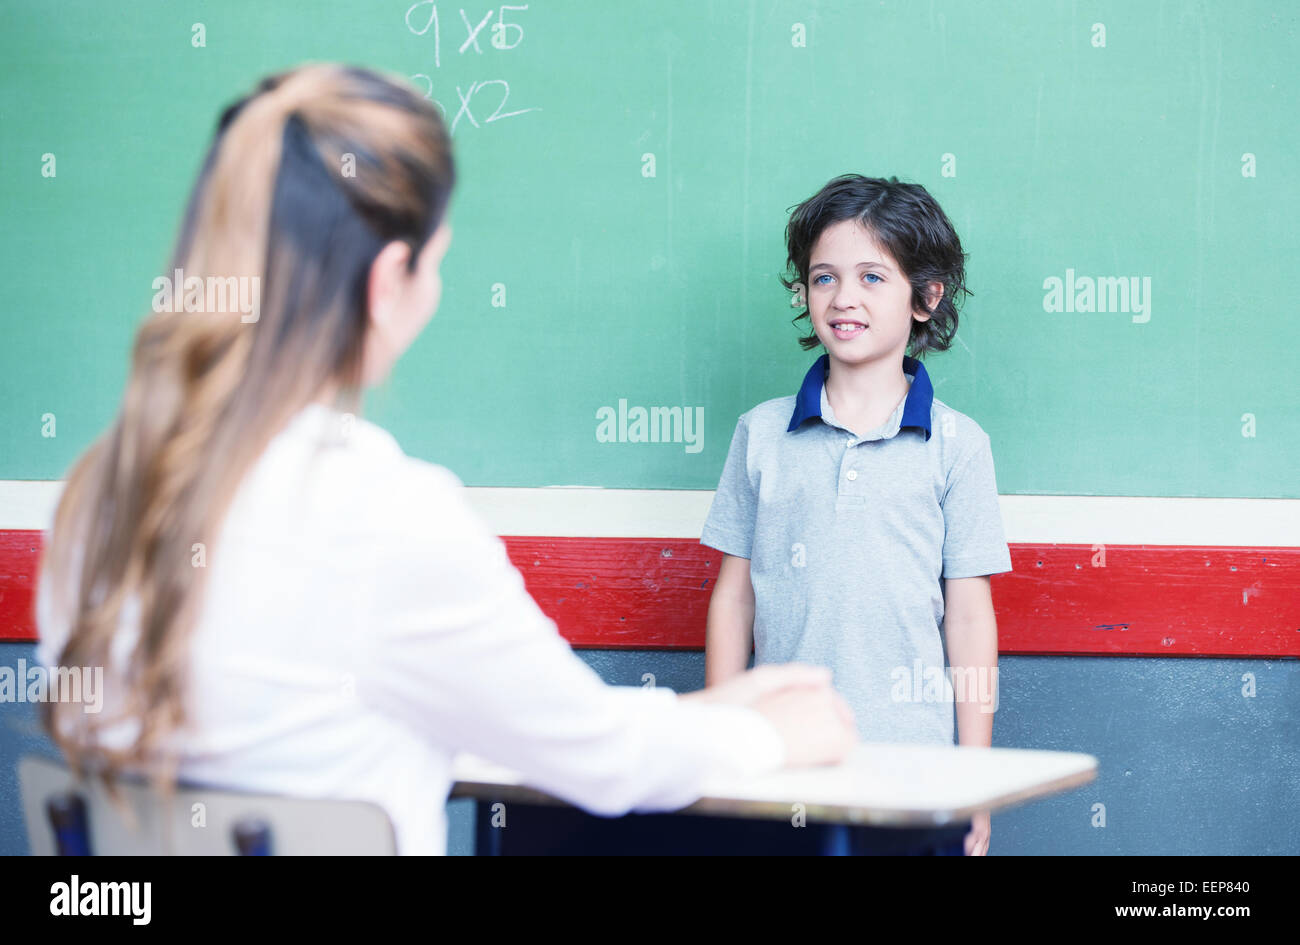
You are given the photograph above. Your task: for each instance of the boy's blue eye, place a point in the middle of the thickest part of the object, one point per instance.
(825, 277)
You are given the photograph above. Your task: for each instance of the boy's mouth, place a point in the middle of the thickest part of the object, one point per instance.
(847, 329)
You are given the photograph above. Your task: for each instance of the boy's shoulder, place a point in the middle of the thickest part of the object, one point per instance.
(958, 433)
(771, 416)
(942, 413)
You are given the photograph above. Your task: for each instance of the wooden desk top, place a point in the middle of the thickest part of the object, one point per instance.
(890, 785)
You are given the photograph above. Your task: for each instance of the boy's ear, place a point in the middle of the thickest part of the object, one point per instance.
(935, 297)
(799, 298)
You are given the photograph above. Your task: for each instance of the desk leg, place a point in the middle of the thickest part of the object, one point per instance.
(487, 838)
(953, 843)
(955, 847)
(836, 840)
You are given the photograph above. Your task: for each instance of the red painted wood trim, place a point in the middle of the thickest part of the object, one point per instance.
(1148, 600)
(20, 551)
(653, 593)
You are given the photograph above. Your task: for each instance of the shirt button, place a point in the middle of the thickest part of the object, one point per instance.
(849, 441)
(852, 474)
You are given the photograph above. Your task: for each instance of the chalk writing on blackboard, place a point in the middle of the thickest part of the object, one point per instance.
(502, 30)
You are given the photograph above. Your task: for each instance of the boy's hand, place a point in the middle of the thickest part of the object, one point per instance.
(977, 841)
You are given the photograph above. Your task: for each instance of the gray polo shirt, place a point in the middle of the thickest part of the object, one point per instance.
(848, 538)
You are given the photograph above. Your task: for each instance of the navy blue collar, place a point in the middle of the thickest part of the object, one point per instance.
(916, 409)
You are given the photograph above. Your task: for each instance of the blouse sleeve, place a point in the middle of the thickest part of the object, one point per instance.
(463, 654)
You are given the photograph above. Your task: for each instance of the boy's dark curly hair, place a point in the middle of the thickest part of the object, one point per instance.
(906, 221)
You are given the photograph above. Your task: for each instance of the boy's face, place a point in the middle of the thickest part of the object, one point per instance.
(852, 282)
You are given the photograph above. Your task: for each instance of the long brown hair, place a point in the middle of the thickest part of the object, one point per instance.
(306, 179)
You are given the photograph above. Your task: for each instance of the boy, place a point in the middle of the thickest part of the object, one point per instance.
(859, 519)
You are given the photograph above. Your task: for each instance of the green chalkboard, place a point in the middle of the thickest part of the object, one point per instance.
(1154, 143)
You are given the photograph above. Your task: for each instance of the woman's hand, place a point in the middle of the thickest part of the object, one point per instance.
(814, 721)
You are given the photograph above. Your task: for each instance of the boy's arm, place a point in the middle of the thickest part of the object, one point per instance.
(729, 635)
(972, 633)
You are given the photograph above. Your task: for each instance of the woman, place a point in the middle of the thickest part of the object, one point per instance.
(282, 600)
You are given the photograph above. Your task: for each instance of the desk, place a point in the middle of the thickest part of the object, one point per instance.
(884, 799)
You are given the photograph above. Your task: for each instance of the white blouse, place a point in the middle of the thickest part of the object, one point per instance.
(361, 625)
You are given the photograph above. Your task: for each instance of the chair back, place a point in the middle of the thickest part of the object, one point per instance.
(75, 817)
